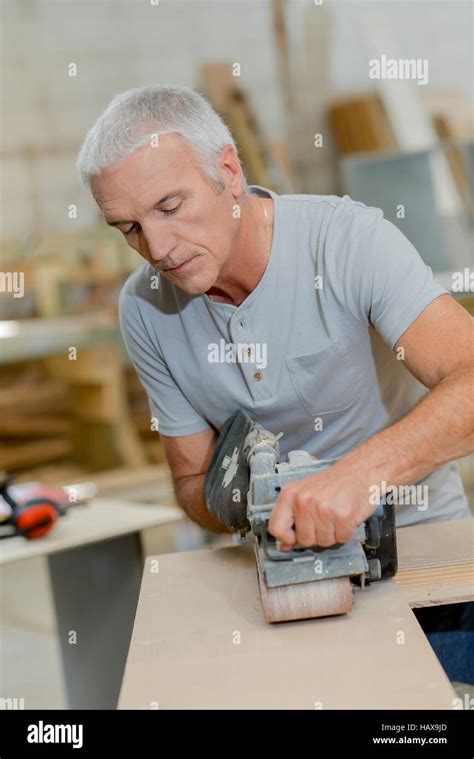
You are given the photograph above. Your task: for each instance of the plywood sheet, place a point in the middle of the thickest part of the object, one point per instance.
(436, 544)
(200, 641)
(436, 562)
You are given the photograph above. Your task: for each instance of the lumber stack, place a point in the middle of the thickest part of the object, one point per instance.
(63, 273)
(265, 159)
(141, 418)
(36, 425)
(63, 418)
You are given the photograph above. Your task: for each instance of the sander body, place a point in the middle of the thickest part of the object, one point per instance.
(241, 488)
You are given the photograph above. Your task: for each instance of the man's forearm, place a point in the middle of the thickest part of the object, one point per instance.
(326, 507)
(190, 496)
(438, 430)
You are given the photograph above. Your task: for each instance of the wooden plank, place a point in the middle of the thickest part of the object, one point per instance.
(436, 562)
(27, 455)
(125, 480)
(34, 426)
(435, 544)
(457, 163)
(282, 49)
(105, 435)
(360, 124)
(220, 85)
(200, 641)
(37, 338)
(437, 586)
(249, 141)
(231, 103)
(39, 397)
(310, 42)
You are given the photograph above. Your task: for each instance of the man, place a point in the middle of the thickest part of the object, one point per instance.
(312, 313)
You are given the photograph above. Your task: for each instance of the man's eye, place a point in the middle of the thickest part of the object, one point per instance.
(131, 231)
(171, 211)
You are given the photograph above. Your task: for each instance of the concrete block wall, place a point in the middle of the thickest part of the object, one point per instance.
(117, 44)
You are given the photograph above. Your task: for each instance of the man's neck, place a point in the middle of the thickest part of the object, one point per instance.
(248, 260)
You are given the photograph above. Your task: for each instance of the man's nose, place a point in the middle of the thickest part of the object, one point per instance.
(156, 244)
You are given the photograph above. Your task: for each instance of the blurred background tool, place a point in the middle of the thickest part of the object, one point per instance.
(32, 509)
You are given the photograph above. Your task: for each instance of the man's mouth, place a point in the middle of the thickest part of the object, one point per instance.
(182, 267)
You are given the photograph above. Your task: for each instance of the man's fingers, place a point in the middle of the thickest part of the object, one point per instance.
(325, 530)
(282, 521)
(300, 516)
(285, 546)
(345, 531)
(304, 525)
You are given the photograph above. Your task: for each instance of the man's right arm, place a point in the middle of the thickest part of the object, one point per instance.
(189, 457)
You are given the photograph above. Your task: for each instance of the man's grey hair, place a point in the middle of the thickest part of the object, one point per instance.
(133, 118)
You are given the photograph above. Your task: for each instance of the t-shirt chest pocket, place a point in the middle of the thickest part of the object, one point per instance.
(327, 382)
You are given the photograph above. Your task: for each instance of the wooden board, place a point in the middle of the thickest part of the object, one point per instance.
(230, 101)
(360, 124)
(200, 641)
(436, 562)
(435, 544)
(28, 455)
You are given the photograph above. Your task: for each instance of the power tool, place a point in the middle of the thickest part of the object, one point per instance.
(241, 488)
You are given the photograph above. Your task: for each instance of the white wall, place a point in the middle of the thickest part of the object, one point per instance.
(117, 45)
(438, 30)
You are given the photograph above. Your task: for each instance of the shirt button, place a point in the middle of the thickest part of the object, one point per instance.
(257, 376)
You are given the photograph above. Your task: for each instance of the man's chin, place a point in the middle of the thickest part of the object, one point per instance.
(190, 285)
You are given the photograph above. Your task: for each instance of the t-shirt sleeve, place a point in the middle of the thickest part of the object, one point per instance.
(176, 416)
(379, 275)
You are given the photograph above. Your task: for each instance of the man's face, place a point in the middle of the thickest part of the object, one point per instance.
(170, 212)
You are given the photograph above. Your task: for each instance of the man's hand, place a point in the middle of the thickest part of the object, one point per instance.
(326, 507)
(322, 509)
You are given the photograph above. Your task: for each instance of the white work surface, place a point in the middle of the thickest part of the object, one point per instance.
(102, 519)
(90, 567)
(190, 614)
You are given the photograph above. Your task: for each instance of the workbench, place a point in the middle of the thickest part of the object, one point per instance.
(200, 641)
(87, 571)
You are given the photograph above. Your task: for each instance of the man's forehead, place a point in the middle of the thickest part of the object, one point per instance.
(149, 171)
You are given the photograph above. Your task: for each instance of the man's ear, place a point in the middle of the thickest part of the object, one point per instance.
(229, 165)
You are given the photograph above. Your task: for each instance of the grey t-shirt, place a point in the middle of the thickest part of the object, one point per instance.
(308, 353)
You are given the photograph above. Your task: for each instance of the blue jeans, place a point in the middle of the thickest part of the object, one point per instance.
(450, 631)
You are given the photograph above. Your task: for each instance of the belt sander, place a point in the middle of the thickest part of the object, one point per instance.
(241, 488)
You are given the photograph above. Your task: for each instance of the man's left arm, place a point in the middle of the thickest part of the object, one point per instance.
(438, 349)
